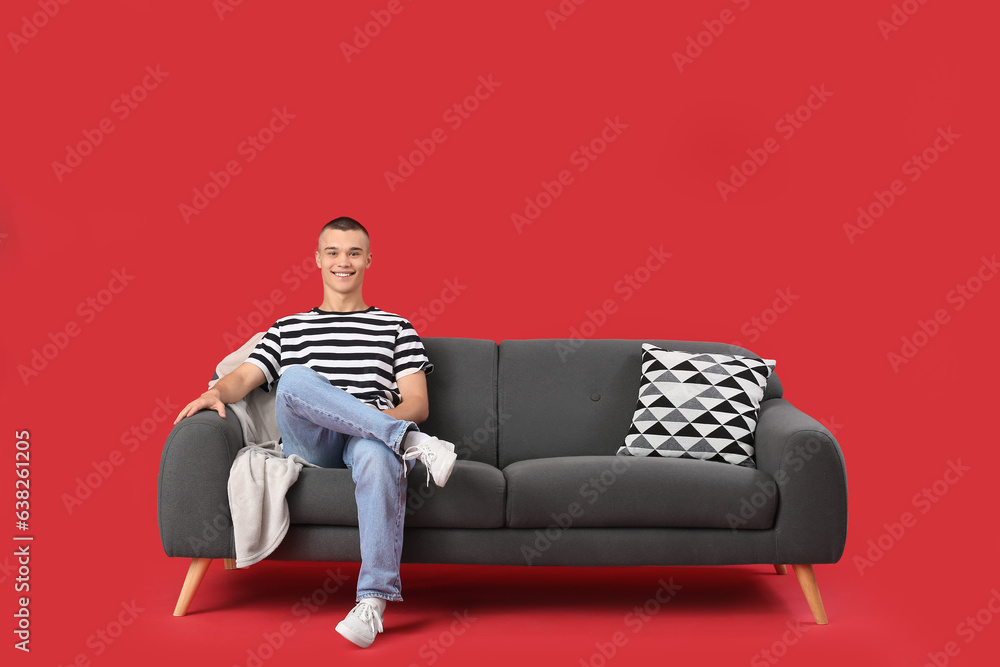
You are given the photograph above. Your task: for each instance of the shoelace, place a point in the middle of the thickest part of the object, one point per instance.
(425, 454)
(366, 614)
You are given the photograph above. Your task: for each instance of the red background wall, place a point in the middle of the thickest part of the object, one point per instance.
(897, 82)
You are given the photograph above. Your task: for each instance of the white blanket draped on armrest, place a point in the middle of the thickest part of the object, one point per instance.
(258, 481)
(261, 474)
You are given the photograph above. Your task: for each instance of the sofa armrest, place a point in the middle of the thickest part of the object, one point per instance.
(192, 495)
(807, 465)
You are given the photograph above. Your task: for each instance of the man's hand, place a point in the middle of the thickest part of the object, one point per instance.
(230, 389)
(210, 399)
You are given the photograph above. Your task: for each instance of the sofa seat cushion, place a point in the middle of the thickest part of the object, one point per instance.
(473, 498)
(624, 491)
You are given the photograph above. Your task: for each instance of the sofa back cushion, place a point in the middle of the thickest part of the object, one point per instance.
(462, 391)
(576, 398)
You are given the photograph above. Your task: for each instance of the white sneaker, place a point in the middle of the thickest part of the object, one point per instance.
(362, 624)
(437, 456)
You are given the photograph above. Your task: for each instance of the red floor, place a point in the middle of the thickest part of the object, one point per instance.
(279, 614)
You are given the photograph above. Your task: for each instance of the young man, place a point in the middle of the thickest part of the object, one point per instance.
(351, 390)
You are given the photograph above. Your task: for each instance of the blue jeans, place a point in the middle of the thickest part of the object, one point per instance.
(330, 428)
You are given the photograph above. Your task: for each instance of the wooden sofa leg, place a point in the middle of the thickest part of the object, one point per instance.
(807, 580)
(780, 569)
(230, 563)
(196, 572)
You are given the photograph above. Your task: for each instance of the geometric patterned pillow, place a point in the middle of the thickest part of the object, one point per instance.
(697, 406)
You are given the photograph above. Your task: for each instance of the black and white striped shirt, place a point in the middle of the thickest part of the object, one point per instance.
(362, 352)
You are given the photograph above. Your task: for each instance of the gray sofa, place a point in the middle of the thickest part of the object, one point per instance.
(536, 424)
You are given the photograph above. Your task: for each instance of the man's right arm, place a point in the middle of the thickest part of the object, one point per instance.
(230, 389)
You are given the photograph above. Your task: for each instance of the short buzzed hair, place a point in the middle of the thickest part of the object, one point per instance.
(345, 224)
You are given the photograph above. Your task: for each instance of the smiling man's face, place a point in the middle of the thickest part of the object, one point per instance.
(343, 257)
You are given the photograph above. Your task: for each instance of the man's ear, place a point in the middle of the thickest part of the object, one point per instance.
(318, 264)
(370, 255)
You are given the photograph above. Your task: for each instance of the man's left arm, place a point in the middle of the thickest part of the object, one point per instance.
(413, 405)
